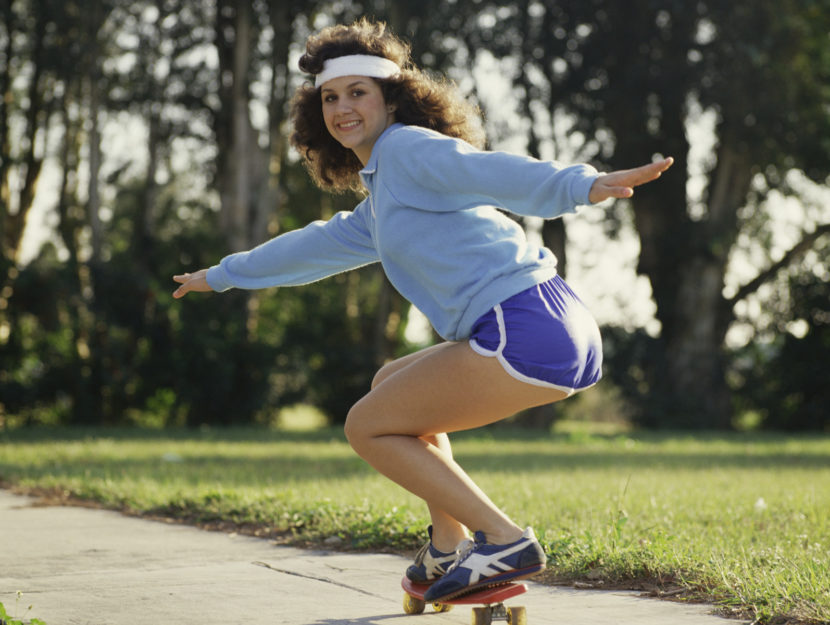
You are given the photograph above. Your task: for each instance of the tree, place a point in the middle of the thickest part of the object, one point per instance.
(632, 73)
(74, 335)
(25, 40)
(44, 44)
(783, 380)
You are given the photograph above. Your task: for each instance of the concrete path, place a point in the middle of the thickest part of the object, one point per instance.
(79, 566)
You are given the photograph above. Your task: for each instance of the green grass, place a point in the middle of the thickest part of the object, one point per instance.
(741, 520)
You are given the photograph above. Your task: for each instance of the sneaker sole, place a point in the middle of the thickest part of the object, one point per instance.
(422, 582)
(491, 582)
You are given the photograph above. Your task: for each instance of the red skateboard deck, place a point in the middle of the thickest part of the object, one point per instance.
(490, 598)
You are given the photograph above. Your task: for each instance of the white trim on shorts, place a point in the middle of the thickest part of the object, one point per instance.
(499, 355)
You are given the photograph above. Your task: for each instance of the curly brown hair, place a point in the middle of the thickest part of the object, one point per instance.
(420, 100)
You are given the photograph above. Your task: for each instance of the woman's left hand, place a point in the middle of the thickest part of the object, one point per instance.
(191, 282)
(620, 184)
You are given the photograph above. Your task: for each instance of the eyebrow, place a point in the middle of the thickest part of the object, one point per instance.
(349, 86)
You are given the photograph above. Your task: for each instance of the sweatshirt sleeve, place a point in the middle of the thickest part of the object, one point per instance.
(431, 171)
(319, 250)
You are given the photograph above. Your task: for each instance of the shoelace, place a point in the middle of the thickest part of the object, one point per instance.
(464, 549)
(419, 557)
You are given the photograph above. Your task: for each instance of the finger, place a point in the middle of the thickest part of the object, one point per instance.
(181, 278)
(659, 167)
(620, 192)
(603, 192)
(641, 175)
(656, 169)
(184, 289)
(619, 184)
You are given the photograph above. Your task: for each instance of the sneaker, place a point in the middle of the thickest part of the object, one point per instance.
(480, 565)
(430, 564)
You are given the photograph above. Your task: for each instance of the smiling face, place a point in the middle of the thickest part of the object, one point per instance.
(355, 113)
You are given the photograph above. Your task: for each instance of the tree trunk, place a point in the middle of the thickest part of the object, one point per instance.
(694, 358)
(70, 223)
(243, 165)
(98, 391)
(12, 225)
(686, 263)
(6, 98)
(93, 194)
(699, 344)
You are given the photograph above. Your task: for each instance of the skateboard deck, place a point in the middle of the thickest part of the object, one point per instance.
(491, 601)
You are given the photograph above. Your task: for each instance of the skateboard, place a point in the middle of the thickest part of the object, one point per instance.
(491, 600)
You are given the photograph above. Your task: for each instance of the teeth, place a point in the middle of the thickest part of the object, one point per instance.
(349, 124)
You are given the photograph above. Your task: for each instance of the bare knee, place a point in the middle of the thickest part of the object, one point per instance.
(365, 425)
(360, 419)
(384, 372)
(355, 428)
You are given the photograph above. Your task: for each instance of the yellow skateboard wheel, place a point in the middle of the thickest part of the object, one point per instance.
(412, 605)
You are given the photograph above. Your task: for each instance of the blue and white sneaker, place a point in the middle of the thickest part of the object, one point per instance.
(430, 564)
(480, 565)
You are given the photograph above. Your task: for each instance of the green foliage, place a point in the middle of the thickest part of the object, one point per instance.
(132, 354)
(632, 88)
(9, 619)
(628, 359)
(91, 336)
(785, 380)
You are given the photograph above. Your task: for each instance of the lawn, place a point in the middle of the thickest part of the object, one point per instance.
(739, 520)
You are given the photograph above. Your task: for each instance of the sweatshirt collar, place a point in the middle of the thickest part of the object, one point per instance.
(372, 166)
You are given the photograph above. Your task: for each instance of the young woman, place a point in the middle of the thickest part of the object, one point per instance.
(516, 335)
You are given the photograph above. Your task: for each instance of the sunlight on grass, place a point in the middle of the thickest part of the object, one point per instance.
(300, 418)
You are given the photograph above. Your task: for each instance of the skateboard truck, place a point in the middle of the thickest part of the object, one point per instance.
(491, 600)
(498, 612)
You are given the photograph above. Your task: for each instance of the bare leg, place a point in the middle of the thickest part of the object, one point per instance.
(447, 532)
(449, 389)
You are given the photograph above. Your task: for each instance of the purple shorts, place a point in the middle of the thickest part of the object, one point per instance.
(544, 336)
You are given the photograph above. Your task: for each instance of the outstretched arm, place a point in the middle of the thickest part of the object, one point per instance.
(320, 249)
(620, 184)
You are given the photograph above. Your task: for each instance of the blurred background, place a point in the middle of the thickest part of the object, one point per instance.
(140, 139)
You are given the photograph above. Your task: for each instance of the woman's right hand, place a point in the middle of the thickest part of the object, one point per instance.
(191, 282)
(620, 184)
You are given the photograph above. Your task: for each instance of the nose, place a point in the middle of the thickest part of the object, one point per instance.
(343, 106)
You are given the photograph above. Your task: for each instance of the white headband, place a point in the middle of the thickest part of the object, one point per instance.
(357, 65)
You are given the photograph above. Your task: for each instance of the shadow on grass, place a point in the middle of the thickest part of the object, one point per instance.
(496, 449)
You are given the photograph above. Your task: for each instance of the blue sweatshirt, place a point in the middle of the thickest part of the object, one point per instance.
(431, 220)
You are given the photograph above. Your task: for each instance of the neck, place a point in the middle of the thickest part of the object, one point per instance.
(364, 152)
